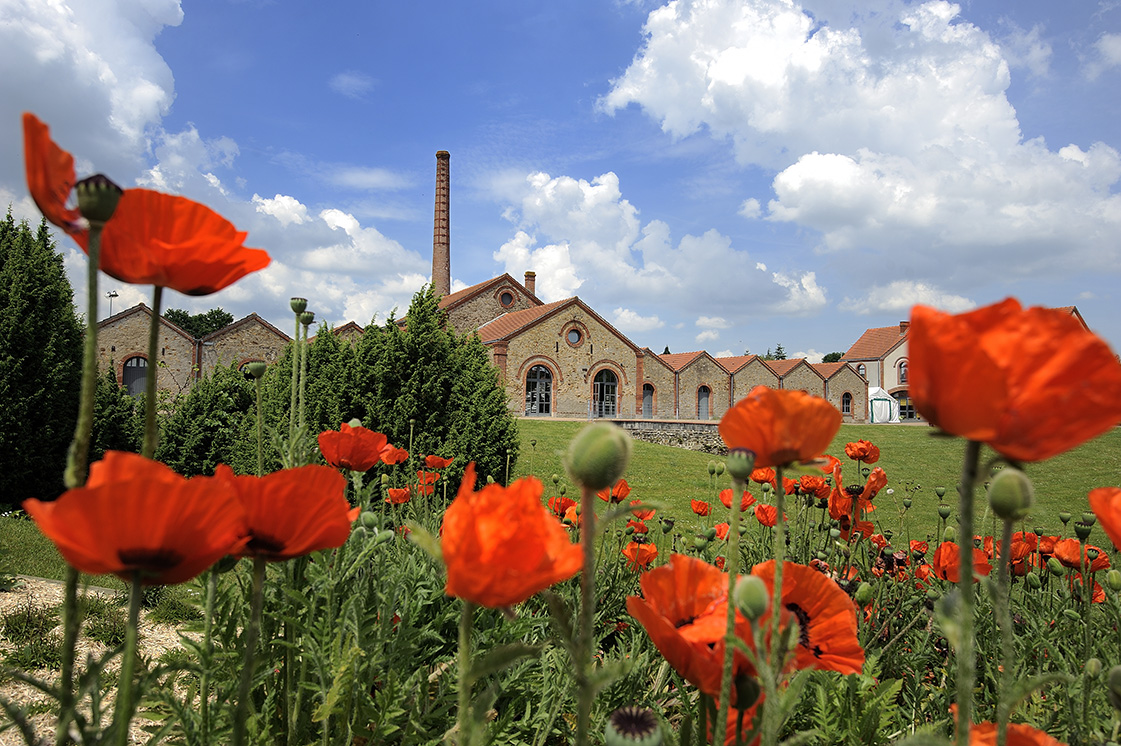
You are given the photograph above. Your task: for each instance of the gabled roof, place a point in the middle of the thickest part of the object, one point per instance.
(828, 370)
(462, 296)
(350, 327)
(680, 360)
(783, 368)
(651, 355)
(874, 344)
(142, 308)
(510, 325)
(734, 363)
(1073, 311)
(252, 318)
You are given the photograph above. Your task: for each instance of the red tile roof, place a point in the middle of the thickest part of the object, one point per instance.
(828, 370)
(734, 363)
(875, 343)
(782, 367)
(678, 360)
(509, 323)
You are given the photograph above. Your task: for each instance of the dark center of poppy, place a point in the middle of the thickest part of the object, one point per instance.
(854, 489)
(264, 546)
(634, 722)
(684, 622)
(149, 560)
(803, 618)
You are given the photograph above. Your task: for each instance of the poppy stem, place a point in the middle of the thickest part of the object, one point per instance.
(466, 722)
(151, 432)
(587, 614)
(122, 715)
(295, 387)
(733, 568)
(965, 673)
(773, 672)
(208, 647)
(242, 707)
(260, 434)
(70, 623)
(303, 378)
(1004, 617)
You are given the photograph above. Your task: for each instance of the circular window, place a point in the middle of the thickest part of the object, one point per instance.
(506, 299)
(574, 336)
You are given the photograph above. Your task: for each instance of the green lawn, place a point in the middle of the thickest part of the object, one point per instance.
(915, 461)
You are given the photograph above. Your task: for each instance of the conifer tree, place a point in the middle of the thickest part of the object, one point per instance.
(40, 363)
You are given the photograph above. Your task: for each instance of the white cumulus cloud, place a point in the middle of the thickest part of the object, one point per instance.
(631, 322)
(898, 297)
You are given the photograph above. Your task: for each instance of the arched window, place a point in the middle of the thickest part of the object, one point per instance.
(902, 372)
(647, 400)
(538, 391)
(862, 370)
(135, 369)
(846, 403)
(703, 411)
(605, 390)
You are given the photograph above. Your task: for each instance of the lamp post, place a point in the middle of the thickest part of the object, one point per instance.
(111, 295)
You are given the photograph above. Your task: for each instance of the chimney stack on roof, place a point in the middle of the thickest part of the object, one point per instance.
(441, 230)
(903, 325)
(531, 283)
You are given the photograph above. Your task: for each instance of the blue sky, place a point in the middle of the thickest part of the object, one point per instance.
(707, 175)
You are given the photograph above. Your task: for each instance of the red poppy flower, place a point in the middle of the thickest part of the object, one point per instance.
(863, 528)
(560, 505)
(780, 426)
(879, 541)
(1106, 504)
(501, 545)
(814, 485)
(1098, 596)
(766, 514)
(762, 476)
(642, 514)
(829, 463)
(352, 448)
(947, 562)
(788, 485)
(638, 526)
(1047, 545)
(722, 530)
(731, 736)
(1030, 383)
(826, 618)
(745, 502)
(639, 556)
(862, 451)
(435, 462)
(718, 563)
(700, 507)
(840, 503)
(1071, 553)
(919, 547)
(674, 597)
(292, 512)
(877, 480)
(984, 734)
(425, 482)
(616, 494)
(923, 573)
(397, 496)
(571, 516)
(393, 455)
(137, 515)
(153, 238)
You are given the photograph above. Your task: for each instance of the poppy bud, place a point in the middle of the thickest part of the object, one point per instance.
(932, 594)
(563, 489)
(1113, 580)
(1114, 690)
(598, 455)
(255, 369)
(1093, 668)
(307, 318)
(667, 525)
(1082, 530)
(719, 468)
(747, 691)
(298, 305)
(711, 468)
(863, 594)
(1010, 495)
(1033, 580)
(740, 464)
(710, 533)
(752, 597)
(943, 511)
(368, 519)
(382, 537)
(907, 502)
(950, 534)
(97, 198)
(834, 533)
(700, 543)
(628, 530)
(1064, 516)
(633, 726)
(940, 491)
(490, 480)
(385, 480)
(1055, 567)
(556, 479)
(1072, 615)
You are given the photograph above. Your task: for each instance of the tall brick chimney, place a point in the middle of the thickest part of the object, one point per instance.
(531, 283)
(441, 231)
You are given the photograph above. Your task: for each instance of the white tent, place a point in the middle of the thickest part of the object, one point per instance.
(882, 406)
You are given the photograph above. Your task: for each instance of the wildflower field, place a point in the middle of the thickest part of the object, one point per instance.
(353, 589)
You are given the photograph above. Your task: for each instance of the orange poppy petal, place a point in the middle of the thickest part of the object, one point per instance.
(1106, 504)
(50, 174)
(780, 426)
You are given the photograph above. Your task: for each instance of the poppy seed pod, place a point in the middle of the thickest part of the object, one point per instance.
(950, 534)
(307, 318)
(298, 305)
(1011, 494)
(1114, 691)
(97, 198)
(752, 597)
(741, 462)
(633, 726)
(1064, 516)
(907, 503)
(711, 468)
(940, 491)
(598, 455)
(943, 511)
(1089, 518)
(1082, 530)
(719, 468)
(556, 479)
(255, 369)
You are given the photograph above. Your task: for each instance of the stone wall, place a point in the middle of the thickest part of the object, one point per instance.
(804, 378)
(755, 373)
(487, 306)
(846, 380)
(125, 336)
(703, 371)
(662, 379)
(247, 340)
(693, 436)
